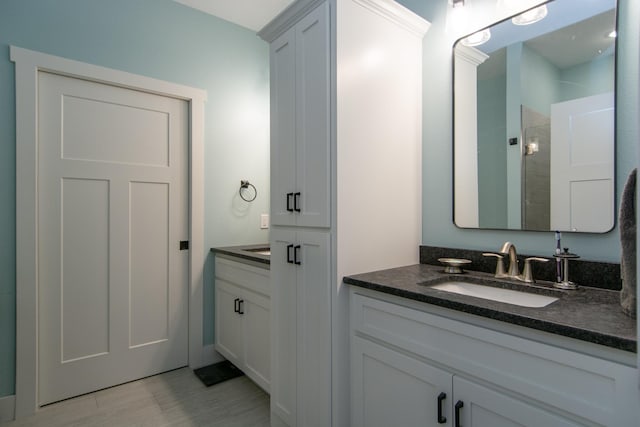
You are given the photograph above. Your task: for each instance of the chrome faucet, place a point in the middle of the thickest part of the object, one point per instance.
(510, 249)
(513, 272)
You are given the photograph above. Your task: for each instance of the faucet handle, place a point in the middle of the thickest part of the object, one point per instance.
(527, 272)
(500, 271)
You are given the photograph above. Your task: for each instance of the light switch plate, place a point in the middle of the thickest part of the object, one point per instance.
(264, 221)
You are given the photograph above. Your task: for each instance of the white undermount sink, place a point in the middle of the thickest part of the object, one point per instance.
(523, 299)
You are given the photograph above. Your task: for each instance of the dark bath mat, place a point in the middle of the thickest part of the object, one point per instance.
(217, 373)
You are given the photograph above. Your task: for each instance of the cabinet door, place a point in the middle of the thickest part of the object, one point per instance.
(257, 338)
(483, 407)
(313, 304)
(283, 326)
(313, 118)
(229, 336)
(283, 128)
(393, 389)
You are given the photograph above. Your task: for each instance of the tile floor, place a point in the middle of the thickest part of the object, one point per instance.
(175, 398)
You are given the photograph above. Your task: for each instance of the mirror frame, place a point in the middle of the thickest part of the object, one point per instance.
(615, 208)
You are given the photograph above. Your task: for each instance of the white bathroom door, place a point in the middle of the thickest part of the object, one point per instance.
(112, 210)
(582, 170)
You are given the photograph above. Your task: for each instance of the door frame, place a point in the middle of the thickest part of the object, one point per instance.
(27, 66)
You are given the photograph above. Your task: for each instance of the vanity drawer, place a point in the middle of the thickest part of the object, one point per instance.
(253, 278)
(568, 381)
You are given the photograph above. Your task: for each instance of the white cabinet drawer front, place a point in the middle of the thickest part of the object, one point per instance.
(253, 278)
(571, 381)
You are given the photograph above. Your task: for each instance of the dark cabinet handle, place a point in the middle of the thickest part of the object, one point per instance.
(296, 202)
(240, 308)
(457, 407)
(296, 252)
(289, 197)
(235, 305)
(441, 418)
(289, 259)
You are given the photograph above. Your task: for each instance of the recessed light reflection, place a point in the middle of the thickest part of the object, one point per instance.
(531, 16)
(476, 39)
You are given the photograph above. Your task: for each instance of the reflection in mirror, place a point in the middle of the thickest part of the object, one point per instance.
(534, 122)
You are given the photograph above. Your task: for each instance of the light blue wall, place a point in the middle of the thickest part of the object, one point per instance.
(540, 81)
(590, 78)
(164, 40)
(438, 227)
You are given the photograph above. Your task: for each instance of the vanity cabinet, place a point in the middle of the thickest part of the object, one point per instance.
(300, 165)
(243, 318)
(392, 388)
(406, 364)
(301, 334)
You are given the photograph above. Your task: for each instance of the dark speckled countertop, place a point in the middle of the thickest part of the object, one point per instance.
(588, 314)
(248, 252)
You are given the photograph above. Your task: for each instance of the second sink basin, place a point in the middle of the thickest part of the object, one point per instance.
(523, 299)
(260, 251)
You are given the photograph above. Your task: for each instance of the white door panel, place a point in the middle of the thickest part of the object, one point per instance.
(312, 125)
(483, 407)
(582, 171)
(391, 388)
(149, 245)
(283, 130)
(258, 337)
(284, 393)
(140, 138)
(112, 186)
(84, 305)
(313, 341)
(228, 322)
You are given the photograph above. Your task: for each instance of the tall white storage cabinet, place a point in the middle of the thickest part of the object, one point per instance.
(300, 126)
(346, 96)
(301, 337)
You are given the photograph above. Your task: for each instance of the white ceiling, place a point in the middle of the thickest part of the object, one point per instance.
(252, 14)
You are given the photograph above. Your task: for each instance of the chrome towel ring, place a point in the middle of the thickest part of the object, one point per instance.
(247, 191)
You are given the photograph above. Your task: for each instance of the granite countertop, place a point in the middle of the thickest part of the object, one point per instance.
(248, 252)
(587, 314)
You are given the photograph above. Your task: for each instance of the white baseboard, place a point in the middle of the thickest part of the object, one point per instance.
(7, 408)
(210, 355)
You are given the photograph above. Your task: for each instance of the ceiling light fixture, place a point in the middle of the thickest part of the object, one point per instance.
(530, 16)
(476, 39)
(456, 3)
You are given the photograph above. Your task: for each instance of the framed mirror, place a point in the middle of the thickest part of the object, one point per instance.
(534, 120)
